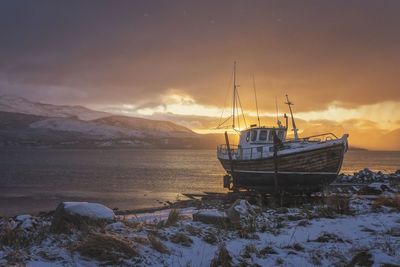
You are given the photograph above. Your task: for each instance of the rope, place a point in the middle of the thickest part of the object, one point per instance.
(226, 97)
(240, 103)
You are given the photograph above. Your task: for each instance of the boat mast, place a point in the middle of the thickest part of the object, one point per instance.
(296, 137)
(255, 95)
(234, 94)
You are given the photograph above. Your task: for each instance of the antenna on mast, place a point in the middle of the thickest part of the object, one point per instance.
(296, 137)
(277, 118)
(255, 95)
(234, 94)
(276, 107)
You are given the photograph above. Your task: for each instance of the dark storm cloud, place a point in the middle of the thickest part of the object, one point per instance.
(133, 52)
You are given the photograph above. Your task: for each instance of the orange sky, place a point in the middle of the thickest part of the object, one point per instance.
(338, 60)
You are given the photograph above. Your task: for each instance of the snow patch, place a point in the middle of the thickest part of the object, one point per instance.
(91, 210)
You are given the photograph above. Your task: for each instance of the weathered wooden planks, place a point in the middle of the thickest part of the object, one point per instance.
(327, 159)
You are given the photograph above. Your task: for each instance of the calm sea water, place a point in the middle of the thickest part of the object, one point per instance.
(33, 180)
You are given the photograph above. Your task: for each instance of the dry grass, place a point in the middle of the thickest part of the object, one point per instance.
(210, 237)
(332, 206)
(316, 258)
(326, 237)
(141, 240)
(17, 238)
(192, 230)
(339, 204)
(268, 250)
(324, 212)
(48, 257)
(182, 239)
(222, 258)
(173, 217)
(389, 265)
(106, 249)
(294, 217)
(8, 236)
(157, 245)
(15, 258)
(295, 246)
(66, 224)
(303, 223)
(251, 224)
(392, 202)
(363, 258)
(248, 250)
(279, 261)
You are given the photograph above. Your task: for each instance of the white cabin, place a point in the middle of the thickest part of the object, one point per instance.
(254, 143)
(260, 136)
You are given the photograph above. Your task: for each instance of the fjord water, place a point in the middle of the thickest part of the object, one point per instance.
(33, 180)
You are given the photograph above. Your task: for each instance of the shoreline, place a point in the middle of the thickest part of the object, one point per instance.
(344, 181)
(334, 230)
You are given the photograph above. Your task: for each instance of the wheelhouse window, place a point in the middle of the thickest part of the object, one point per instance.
(281, 134)
(271, 136)
(263, 135)
(254, 135)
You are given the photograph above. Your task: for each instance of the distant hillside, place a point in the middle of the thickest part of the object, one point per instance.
(27, 123)
(17, 129)
(155, 127)
(392, 140)
(16, 104)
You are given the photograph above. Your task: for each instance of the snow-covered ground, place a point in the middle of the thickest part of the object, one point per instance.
(288, 238)
(335, 232)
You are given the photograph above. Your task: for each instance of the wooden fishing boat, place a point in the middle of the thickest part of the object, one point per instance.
(265, 161)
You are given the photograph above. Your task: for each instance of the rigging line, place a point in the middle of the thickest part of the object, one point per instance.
(255, 95)
(226, 97)
(225, 127)
(240, 103)
(224, 121)
(237, 109)
(276, 106)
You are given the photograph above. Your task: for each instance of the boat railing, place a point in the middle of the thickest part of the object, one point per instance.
(238, 153)
(315, 138)
(263, 151)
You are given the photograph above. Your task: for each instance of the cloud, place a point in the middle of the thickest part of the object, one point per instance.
(363, 133)
(337, 60)
(114, 54)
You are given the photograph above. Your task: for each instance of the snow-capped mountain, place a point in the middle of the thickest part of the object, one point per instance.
(15, 104)
(26, 122)
(150, 126)
(88, 128)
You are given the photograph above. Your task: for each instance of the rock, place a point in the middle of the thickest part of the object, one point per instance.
(371, 189)
(116, 226)
(91, 210)
(211, 217)
(395, 231)
(23, 217)
(24, 222)
(240, 209)
(81, 216)
(27, 224)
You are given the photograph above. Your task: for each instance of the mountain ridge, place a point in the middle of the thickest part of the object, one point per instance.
(24, 122)
(17, 104)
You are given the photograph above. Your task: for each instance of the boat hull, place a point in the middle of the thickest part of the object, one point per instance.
(302, 171)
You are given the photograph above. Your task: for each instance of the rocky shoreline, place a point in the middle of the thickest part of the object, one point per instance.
(355, 222)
